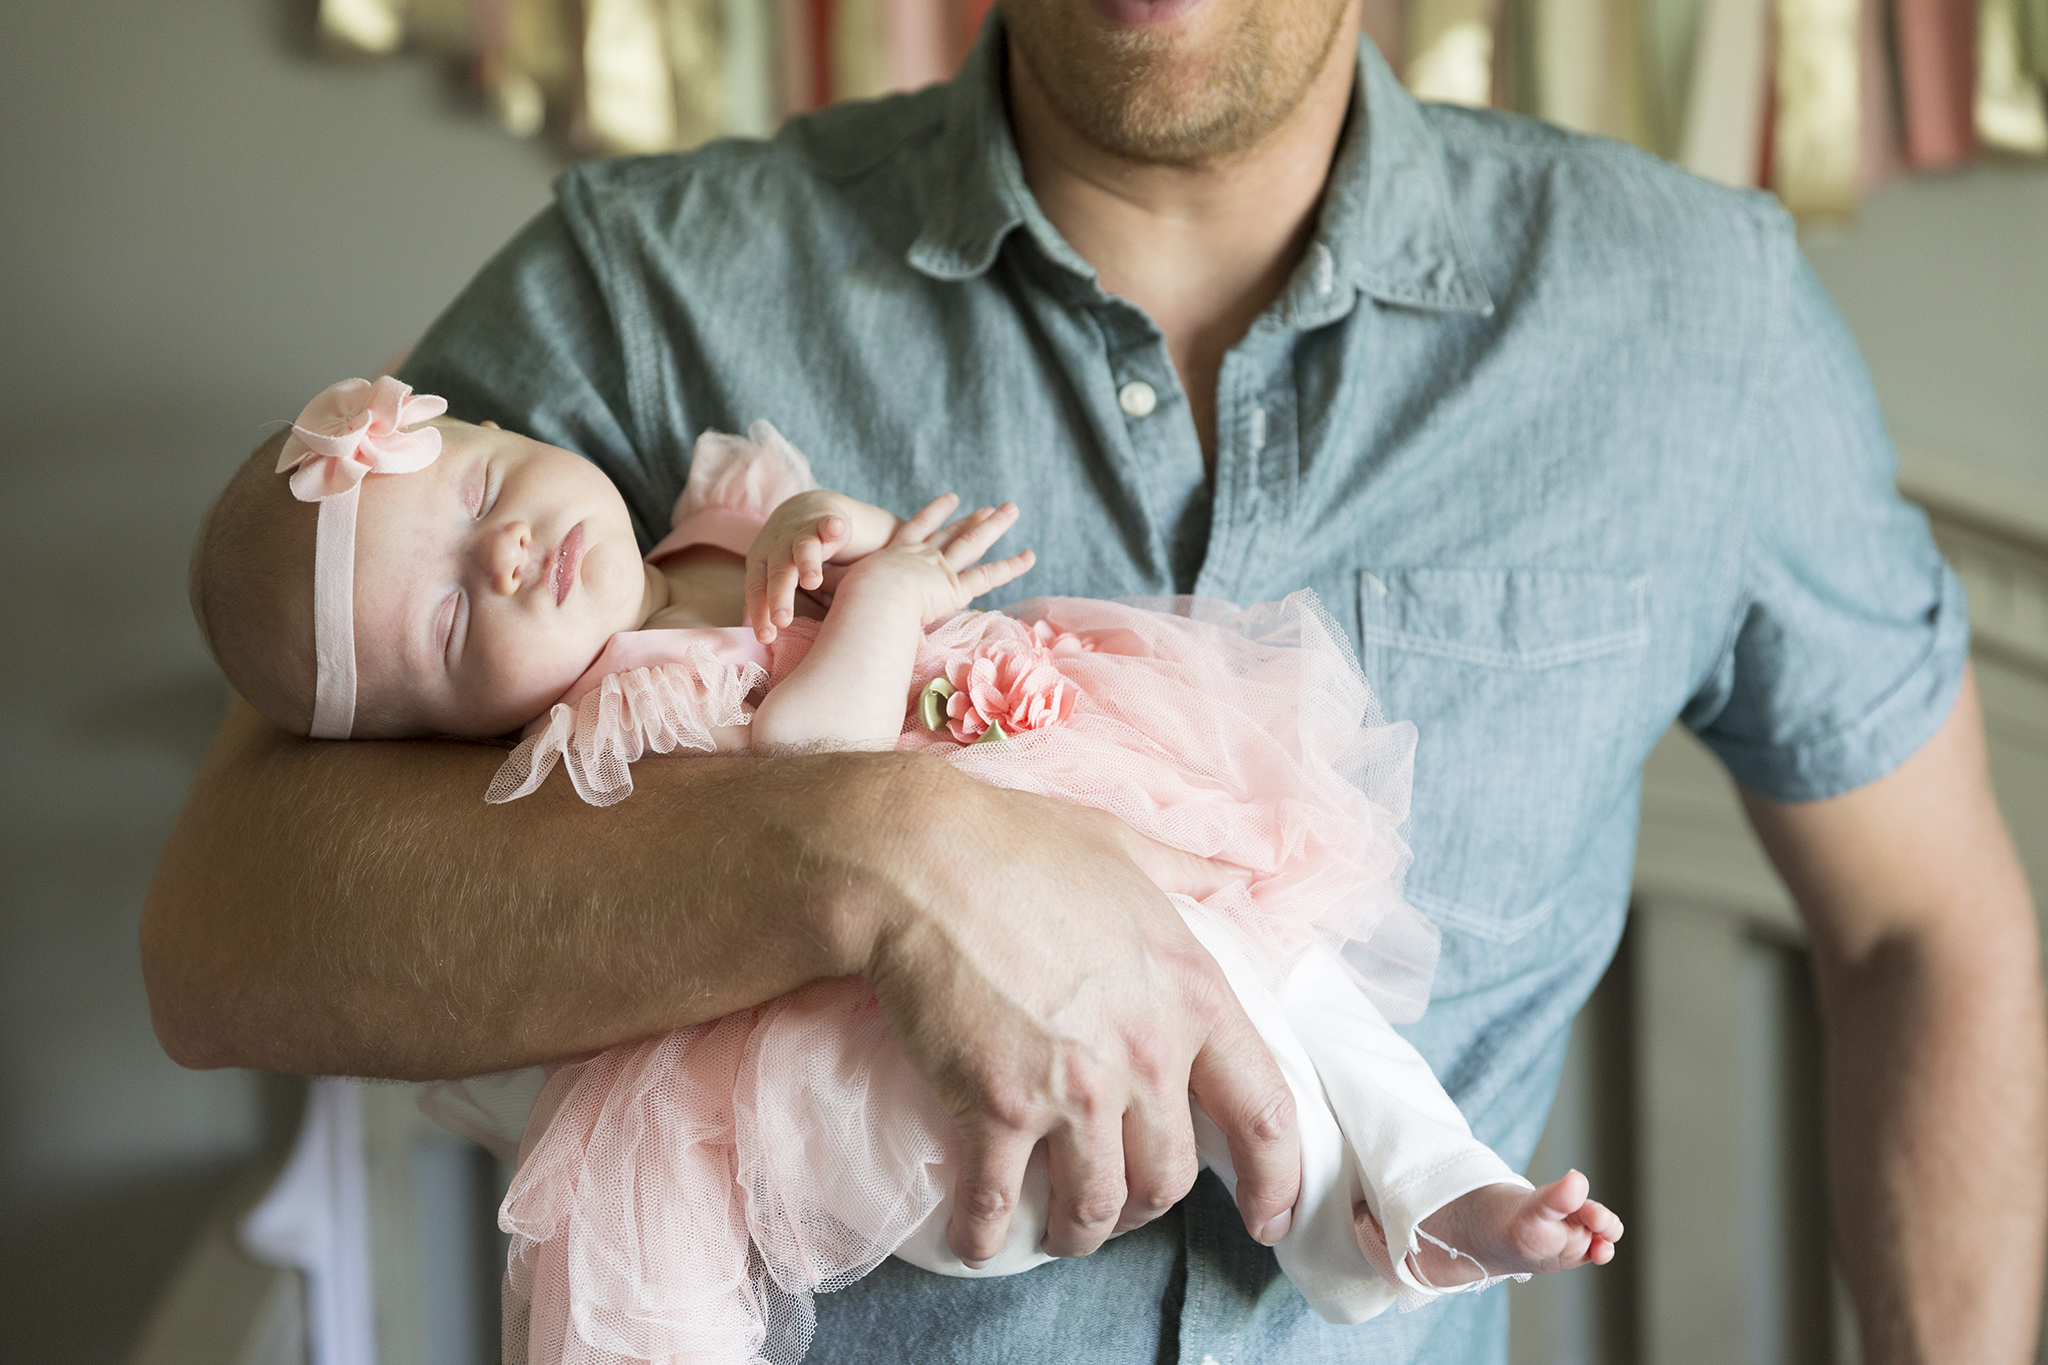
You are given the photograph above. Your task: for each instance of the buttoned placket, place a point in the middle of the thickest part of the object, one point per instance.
(1158, 433)
(1258, 437)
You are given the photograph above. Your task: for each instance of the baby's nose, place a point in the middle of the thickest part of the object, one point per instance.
(507, 554)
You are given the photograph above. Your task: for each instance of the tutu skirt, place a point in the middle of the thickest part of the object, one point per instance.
(683, 1198)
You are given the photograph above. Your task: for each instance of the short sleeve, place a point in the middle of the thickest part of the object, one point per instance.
(1849, 634)
(533, 344)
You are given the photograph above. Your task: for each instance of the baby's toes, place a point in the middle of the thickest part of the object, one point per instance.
(1561, 1197)
(1599, 1220)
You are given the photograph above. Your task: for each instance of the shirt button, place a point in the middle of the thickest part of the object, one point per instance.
(1137, 399)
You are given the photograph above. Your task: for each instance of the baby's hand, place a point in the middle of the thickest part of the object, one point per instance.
(800, 537)
(935, 568)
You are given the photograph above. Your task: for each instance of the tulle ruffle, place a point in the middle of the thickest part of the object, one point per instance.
(1248, 736)
(683, 1198)
(658, 708)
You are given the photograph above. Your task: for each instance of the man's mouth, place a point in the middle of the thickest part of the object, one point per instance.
(1144, 13)
(568, 558)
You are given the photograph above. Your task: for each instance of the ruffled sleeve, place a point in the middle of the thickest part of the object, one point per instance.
(734, 483)
(662, 707)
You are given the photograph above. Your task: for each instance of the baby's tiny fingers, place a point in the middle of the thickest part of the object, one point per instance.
(809, 555)
(757, 601)
(1599, 1220)
(928, 519)
(782, 581)
(974, 539)
(827, 539)
(959, 526)
(985, 577)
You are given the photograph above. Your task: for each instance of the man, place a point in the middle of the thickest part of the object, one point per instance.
(1572, 441)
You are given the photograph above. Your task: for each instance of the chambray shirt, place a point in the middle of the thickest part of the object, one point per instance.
(1572, 442)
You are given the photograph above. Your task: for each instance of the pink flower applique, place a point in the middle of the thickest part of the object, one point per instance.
(1060, 642)
(1006, 688)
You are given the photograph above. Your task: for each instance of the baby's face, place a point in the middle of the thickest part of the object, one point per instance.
(488, 581)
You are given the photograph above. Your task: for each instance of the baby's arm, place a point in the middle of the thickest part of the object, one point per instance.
(851, 689)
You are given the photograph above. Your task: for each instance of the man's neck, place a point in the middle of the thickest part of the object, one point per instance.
(1205, 248)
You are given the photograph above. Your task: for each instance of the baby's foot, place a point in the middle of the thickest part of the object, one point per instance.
(1507, 1230)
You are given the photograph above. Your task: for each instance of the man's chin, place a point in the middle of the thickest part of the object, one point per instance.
(1196, 82)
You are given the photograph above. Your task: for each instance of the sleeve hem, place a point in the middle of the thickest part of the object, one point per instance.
(1887, 735)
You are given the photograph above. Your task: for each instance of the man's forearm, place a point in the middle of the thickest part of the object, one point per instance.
(1927, 957)
(358, 908)
(1937, 1088)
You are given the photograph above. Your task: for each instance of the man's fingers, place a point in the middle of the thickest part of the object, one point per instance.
(1160, 1162)
(985, 1194)
(982, 577)
(1241, 1089)
(1086, 1164)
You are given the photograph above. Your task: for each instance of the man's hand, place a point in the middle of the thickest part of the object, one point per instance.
(1928, 963)
(1062, 1000)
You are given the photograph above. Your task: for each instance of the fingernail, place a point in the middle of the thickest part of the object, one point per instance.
(1274, 1231)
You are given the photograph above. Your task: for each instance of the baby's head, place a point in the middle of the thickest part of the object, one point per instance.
(485, 579)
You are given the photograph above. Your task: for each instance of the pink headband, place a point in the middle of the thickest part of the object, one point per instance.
(352, 429)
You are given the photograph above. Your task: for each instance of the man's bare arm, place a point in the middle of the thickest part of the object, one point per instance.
(357, 909)
(1928, 964)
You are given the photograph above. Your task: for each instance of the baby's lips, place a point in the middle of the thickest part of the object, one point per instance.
(562, 575)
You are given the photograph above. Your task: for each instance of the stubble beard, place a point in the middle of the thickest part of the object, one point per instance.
(1148, 98)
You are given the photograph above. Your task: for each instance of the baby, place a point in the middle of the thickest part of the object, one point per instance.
(685, 1196)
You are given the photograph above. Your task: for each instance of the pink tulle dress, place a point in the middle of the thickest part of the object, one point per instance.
(683, 1198)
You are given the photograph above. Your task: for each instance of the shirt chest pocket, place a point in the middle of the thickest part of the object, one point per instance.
(1523, 686)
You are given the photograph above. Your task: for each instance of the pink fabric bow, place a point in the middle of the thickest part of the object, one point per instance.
(1011, 683)
(355, 428)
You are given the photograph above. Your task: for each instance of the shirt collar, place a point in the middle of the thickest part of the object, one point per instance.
(975, 194)
(1387, 227)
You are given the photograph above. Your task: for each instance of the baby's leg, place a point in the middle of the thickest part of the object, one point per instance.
(1444, 1209)
(1507, 1230)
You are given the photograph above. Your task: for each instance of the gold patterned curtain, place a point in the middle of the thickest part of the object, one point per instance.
(1818, 100)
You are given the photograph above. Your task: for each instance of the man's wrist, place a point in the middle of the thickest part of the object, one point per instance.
(874, 854)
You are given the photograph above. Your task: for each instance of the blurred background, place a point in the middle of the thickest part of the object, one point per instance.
(209, 210)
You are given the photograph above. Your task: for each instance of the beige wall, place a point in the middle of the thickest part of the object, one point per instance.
(1944, 280)
(200, 225)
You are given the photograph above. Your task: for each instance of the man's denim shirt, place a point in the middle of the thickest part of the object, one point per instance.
(1572, 442)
